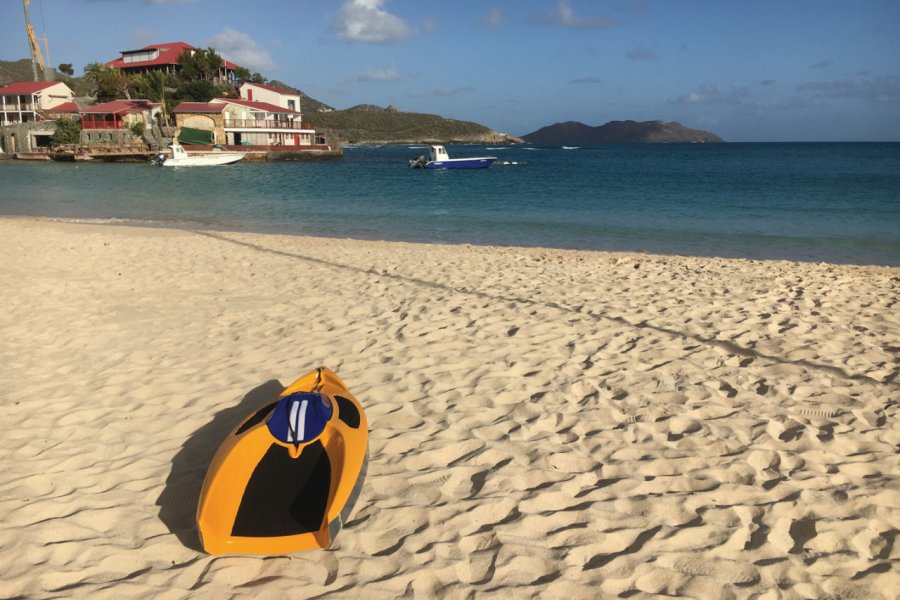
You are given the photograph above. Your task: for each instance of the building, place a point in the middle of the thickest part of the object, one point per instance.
(239, 122)
(112, 122)
(164, 57)
(27, 113)
(257, 92)
(29, 101)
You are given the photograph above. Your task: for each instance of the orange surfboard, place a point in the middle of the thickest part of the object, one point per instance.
(287, 478)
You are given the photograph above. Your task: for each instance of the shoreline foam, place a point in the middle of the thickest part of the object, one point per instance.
(543, 422)
(220, 227)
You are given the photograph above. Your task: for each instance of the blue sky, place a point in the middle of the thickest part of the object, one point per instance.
(763, 70)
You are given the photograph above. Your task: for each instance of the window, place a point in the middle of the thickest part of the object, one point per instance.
(139, 56)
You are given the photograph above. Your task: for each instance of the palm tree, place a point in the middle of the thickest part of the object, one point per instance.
(92, 72)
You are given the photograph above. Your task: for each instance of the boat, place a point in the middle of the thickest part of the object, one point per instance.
(439, 159)
(287, 478)
(205, 158)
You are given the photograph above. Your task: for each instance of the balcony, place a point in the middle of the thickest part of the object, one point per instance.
(16, 106)
(102, 124)
(267, 124)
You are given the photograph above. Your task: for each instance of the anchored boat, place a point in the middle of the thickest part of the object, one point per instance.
(206, 158)
(287, 478)
(439, 159)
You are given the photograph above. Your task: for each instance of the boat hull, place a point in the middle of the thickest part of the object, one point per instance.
(480, 162)
(264, 496)
(209, 160)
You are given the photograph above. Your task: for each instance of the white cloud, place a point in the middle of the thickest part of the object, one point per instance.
(880, 89)
(143, 37)
(365, 21)
(240, 48)
(633, 6)
(493, 18)
(564, 15)
(442, 92)
(708, 94)
(389, 74)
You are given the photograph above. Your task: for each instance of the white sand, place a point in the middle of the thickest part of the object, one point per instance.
(543, 423)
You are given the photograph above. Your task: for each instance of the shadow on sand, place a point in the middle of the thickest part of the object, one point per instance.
(178, 500)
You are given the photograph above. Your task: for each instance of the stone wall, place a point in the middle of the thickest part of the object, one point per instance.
(108, 136)
(20, 137)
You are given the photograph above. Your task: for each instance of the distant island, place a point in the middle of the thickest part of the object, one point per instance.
(645, 132)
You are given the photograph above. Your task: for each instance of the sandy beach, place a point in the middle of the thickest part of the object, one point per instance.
(543, 423)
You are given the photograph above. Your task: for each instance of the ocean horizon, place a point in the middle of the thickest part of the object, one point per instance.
(821, 202)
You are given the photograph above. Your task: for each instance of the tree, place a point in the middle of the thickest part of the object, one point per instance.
(67, 132)
(66, 69)
(92, 74)
(150, 85)
(200, 64)
(243, 75)
(107, 82)
(197, 91)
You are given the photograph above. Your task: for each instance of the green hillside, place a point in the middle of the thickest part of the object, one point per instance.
(15, 70)
(12, 71)
(373, 124)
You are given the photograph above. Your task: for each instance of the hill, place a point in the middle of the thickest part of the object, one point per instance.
(647, 132)
(307, 103)
(12, 71)
(15, 70)
(367, 123)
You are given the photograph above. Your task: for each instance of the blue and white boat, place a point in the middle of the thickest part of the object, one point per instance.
(439, 159)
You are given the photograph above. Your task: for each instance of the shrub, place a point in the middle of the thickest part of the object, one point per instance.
(67, 132)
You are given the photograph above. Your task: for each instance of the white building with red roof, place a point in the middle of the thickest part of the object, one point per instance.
(258, 92)
(240, 122)
(163, 57)
(28, 101)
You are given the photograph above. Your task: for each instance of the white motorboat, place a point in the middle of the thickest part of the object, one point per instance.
(439, 159)
(205, 158)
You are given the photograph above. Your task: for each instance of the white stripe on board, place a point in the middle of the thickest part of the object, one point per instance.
(301, 424)
(292, 421)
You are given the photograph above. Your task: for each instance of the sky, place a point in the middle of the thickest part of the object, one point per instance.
(747, 70)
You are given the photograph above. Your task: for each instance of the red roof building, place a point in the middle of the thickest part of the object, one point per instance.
(26, 87)
(119, 114)
(27, 101)
(244, 122)
(266, 93)
(163, 57)
(66, 108)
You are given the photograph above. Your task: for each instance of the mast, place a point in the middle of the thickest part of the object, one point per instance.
(37, 60)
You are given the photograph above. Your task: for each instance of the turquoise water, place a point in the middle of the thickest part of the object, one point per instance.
(811, 202)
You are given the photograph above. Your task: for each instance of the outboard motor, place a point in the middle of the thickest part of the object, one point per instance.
(158, 160)
(417, 162)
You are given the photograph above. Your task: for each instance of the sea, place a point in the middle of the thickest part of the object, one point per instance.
(819, 202)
